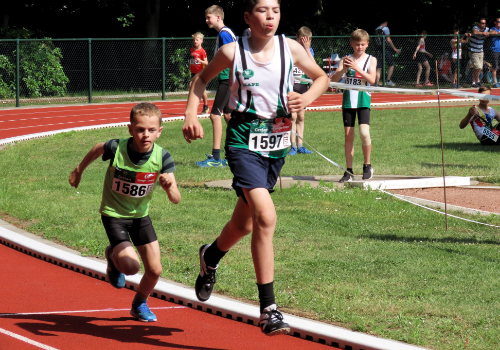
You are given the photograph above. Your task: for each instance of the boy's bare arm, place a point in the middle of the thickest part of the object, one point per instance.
(339, 72)
(192, 128)
(468, 117)
(296, 101)
(76, 175)
(306, 42)
(204, 62)
(168, 183)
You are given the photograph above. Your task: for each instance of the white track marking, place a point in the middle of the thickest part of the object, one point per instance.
(26, 340)
(87, 311)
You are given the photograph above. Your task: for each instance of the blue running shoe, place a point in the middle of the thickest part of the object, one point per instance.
(115, 277)
(292, 151)
(303, 150)
(142, 313)
(210, 162)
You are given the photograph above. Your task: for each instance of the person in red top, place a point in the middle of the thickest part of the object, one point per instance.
(444, 68)
(197, 62)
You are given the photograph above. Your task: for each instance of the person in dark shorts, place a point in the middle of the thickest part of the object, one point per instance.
(257, 139)
(303, 37)
(421, 55)
(214, 16)
(390, 50)
(135, 164)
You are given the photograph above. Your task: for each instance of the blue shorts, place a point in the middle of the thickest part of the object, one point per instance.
(251, 170)
(141, 230)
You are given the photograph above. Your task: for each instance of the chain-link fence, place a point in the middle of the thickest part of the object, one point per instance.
(96, 70)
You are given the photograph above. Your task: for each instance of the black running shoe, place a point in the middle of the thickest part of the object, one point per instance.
(206, 279)
(347, 177)
(367, 172)
(271, 322)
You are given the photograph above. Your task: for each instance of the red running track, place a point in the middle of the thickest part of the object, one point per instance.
(49, 307)
(23, 121)
(56, 308)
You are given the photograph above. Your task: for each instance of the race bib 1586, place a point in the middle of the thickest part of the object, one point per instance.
(133, 184)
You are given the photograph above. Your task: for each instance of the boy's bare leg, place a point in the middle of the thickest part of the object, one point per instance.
(367, 150)
(264, 224)
(293, 138)
(205, 98)
(300, 125)
(349, 146)
(238, 227)
(150, 256)
(389, 73)
(217, 128)
(125, 259)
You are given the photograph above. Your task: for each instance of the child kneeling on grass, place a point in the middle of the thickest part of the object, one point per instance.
(134, 165)
(257, 137)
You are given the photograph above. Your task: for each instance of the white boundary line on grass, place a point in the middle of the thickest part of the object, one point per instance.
(235, 310)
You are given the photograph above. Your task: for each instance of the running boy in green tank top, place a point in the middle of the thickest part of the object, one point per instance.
(359, 69)
(134, 166)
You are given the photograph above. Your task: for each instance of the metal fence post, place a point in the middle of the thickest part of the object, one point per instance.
(459, 52)
(90, 70)
(163, 82)
(383, 60)
(17, 73)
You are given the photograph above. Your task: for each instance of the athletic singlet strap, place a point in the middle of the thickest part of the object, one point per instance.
(244, 66)
(282, 78)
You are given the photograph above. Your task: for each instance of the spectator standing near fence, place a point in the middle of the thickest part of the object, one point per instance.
(303, 37)
(456, 54)
(444, 68)
(390, 50)
(479, 34)
(197, 62)
(420, 55)
(495, 50)
(214, 16)
(359, 69)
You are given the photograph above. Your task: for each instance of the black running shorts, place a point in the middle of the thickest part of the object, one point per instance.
(140, 231)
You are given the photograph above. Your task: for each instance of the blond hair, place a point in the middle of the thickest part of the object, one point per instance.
(304, 31)
(215, 10)
(198, 35)
(145, 108)
(360, 35)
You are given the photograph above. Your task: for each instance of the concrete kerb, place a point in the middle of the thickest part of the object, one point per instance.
(303, 328)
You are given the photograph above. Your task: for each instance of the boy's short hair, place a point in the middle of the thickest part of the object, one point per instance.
(248, 5)
(198, 35)
(145, 108)
(483, 89)
(304, 31)
(215, 10)
(360, 35)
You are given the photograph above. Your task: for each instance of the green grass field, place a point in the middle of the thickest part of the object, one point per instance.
(358, 259)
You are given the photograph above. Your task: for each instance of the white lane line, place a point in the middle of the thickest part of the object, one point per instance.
(26, 340)
(87, 311)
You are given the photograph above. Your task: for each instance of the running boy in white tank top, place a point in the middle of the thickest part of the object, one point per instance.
(359, 69)
(258, 135)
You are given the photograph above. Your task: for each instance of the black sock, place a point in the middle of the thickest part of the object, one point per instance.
(213, 255)
(350, 170)
(266, 295)
(216, 154)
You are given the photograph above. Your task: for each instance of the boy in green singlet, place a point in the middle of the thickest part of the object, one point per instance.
(134, 166)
